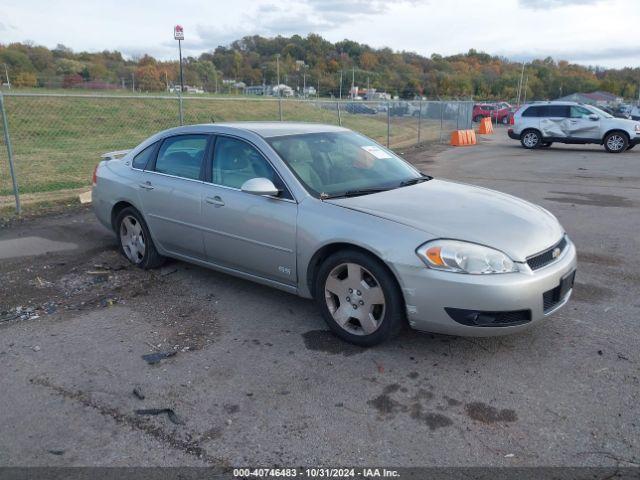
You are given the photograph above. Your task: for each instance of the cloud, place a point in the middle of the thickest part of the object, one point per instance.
(550, 4)
(579, 56)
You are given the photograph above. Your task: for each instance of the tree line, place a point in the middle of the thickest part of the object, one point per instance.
(314, 61)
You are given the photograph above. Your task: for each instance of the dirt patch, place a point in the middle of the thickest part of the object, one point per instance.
(484, 413)
(598, 259)
(180, 441)
(590, 293)
(327, 342)
(595, 199)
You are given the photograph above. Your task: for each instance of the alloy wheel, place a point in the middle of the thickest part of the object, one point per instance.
(615, 143)
(355, 298)
(530, 139)
(132, 239)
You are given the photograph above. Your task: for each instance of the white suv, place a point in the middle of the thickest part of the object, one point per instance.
(540, 124)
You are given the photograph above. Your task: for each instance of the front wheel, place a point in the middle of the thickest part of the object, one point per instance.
(135, 240)
(616, 142)
(359, 298)
(531, 139)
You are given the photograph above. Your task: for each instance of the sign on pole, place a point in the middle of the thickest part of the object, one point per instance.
(178, 32)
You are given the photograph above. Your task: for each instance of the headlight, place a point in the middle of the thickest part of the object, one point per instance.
(637, 127)
(463, 257)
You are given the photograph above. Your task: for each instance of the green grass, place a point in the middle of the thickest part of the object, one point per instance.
(58, 140)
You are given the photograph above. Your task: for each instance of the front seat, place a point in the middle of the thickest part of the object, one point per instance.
(301, 161)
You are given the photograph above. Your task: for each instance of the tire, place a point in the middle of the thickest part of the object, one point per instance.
(135, 240)
(359, 298)
(530, 139)
(616, 142)
(546, 144)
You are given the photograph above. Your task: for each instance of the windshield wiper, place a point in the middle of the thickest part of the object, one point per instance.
(355, 193)
(413, 181)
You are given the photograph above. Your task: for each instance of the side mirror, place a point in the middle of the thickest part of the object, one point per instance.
(594, 117)
(260, 186)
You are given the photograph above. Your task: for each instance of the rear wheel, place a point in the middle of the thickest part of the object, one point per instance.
(135, 240)
(531, 139)
(359, 298)
(616, 142)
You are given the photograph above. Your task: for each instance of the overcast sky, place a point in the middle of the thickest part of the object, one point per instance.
(590, 32)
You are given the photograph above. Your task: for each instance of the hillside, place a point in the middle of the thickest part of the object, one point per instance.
(252, 60)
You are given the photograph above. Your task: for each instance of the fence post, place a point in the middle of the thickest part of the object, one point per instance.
(180, 112)
(280, 107)
(441, 120)
(339, 114)
(458, 116)
(419, 120)
(388, 122)
(7, 141)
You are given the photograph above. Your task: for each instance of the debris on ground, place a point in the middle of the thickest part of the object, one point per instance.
(56, 452)
(36, 348)
(173, 418)
(137, 392)
(153, 358)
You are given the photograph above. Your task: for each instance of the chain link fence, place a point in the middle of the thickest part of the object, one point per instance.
(57, 139)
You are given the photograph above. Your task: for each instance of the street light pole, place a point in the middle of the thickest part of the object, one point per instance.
(6, 73)
(340, 85)
(180, 54)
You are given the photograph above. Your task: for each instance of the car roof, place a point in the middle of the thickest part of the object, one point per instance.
(552, 102)
(264, 129)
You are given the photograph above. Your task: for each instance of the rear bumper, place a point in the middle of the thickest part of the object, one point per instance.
(444, 302)
(513, 135)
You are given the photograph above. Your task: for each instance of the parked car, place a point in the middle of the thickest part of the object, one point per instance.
(488, 110)
(541, 124)
(635, 113)
(326, 213)
(355, 107)
(615, 112)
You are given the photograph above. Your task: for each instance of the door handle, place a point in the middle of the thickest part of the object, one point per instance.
(217, 201)
(146, 185)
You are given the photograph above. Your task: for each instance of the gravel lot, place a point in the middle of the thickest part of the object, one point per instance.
(258, 380)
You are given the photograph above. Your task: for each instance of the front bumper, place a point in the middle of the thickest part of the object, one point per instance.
(429, 292)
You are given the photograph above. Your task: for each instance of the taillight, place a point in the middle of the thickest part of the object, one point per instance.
(94, 179)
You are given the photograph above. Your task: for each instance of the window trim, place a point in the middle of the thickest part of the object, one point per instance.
(154, 153)
(151, 166)
(208, 173)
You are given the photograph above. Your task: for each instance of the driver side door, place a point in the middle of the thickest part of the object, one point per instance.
(580, 125)
(250, 233)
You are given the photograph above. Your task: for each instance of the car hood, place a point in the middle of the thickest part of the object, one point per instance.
(445, 209)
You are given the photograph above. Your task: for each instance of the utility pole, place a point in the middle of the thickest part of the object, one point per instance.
(278, 70)
(318, 90)
(520, 83)
(6, 73)
(526, 82)
(133, 82)
(304, 83)
(353, 82)
(340, 96)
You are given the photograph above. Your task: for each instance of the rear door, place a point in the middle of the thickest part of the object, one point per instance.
(171, 190)
(553, 120)
(251, 233)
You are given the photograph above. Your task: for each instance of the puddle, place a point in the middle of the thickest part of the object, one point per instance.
(32, 246)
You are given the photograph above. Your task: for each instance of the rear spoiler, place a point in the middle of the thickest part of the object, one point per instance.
(114, 155)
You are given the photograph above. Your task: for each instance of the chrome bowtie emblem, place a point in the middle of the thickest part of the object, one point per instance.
(556, 252)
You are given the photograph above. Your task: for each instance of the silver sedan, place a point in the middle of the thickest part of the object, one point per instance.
(327, 213)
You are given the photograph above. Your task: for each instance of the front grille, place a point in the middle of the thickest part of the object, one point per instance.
(477, 318)
(545, 258)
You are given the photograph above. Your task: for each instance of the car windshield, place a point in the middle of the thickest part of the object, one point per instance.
(332, 164)
(600, 112)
